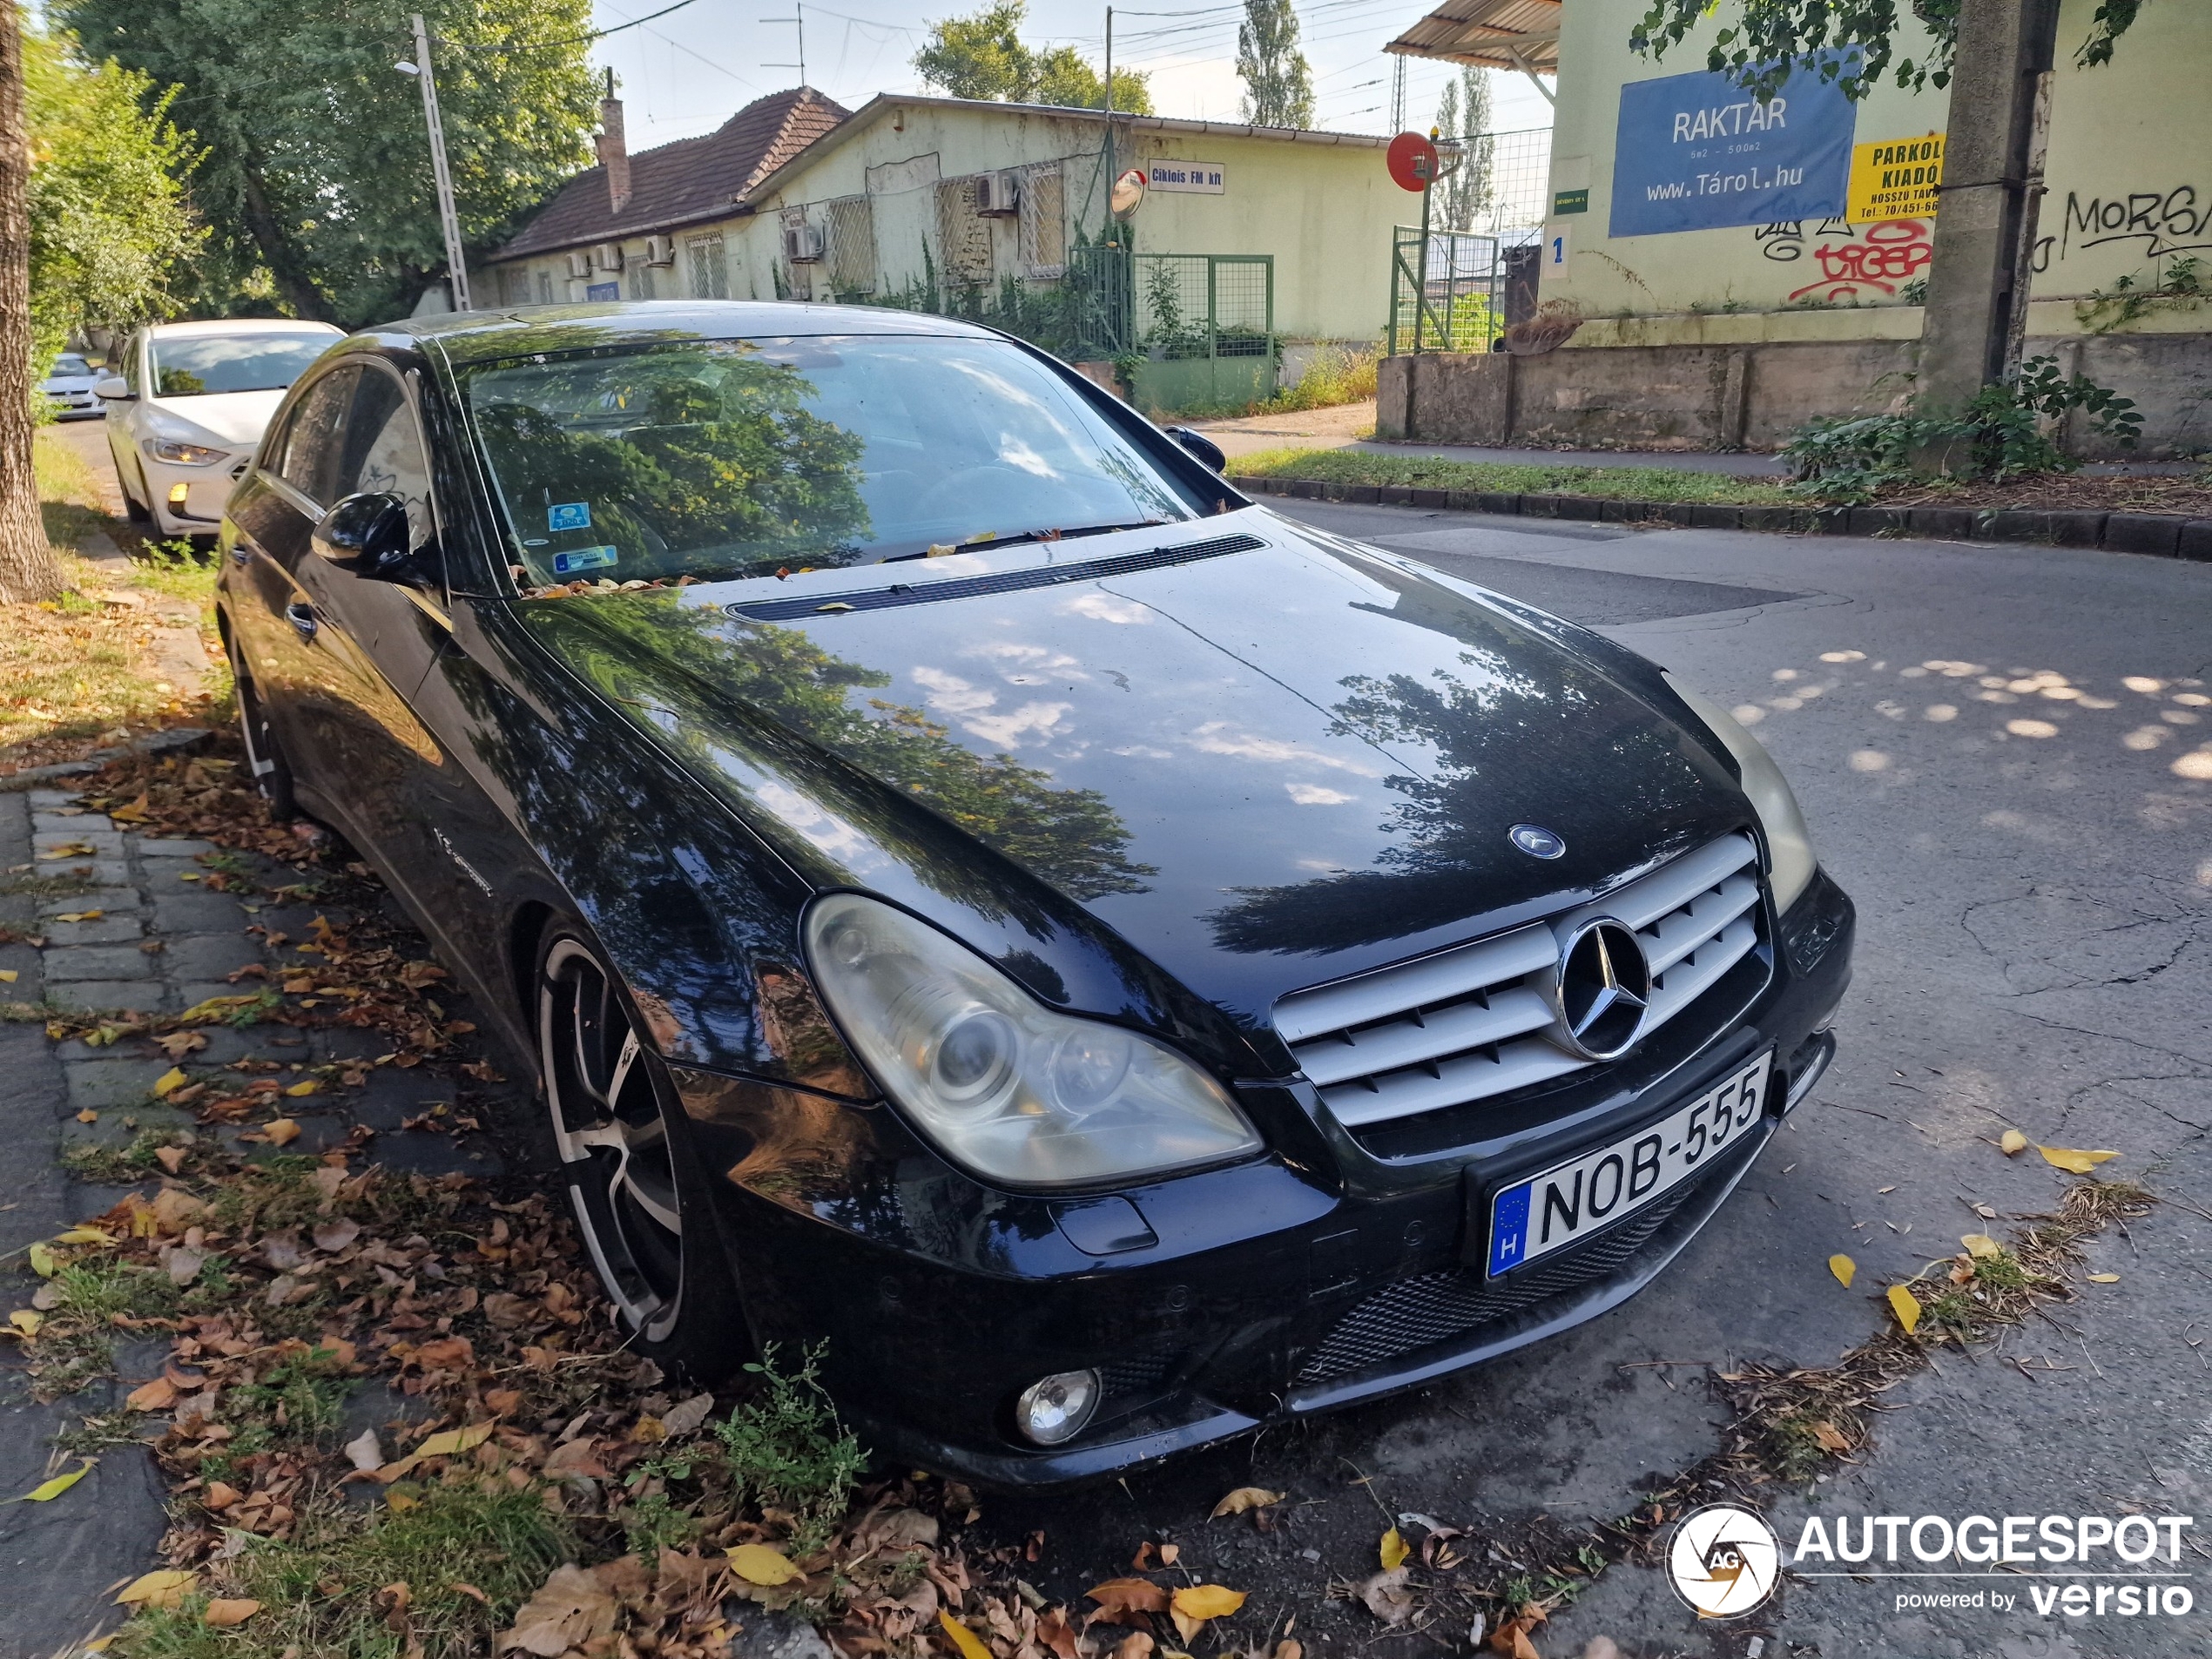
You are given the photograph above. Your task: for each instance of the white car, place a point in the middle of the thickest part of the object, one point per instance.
(187, 409)
(67, 387)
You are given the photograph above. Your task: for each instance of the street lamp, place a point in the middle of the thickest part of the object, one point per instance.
(456, 266)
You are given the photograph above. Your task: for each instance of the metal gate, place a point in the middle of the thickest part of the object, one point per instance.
(1453, 300)
(1197, 330)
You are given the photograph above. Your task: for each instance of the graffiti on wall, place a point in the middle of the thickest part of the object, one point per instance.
(1857, 261)
(2158, 222)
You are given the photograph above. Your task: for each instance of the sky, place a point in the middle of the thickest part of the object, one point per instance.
(688, 71)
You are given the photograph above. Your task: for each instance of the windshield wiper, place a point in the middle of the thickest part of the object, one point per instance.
(1013, 539)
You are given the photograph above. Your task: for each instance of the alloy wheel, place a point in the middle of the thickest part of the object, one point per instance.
(611, 1138)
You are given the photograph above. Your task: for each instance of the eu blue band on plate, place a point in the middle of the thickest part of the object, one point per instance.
(1508, 1227)
(582, 558)
(1697, 152)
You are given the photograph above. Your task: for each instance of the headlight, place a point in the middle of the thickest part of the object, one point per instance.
(1789, 842)
(1001, 1084)
(182, 455)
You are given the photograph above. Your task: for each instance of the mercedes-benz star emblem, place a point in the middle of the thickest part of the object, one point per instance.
(1604, 986)
(1536, 841)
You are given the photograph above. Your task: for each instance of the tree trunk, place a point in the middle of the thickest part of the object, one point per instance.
(28, 567)
(277, 254)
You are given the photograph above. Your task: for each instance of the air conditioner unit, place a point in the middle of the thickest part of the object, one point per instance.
(607, 256)
(998, 193)
(580, 267)
(660, 250)
(802, 244)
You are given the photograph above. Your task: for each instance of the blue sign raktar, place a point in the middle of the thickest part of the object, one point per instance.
(1697, 152)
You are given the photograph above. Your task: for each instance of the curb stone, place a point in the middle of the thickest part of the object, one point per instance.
(2157, 535)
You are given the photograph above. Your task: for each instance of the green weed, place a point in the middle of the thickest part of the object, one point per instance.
(785, 1449)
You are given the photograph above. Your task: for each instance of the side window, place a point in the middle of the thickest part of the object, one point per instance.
(383, 451)
(309, 455)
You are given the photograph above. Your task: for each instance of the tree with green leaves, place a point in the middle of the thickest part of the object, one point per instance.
(1278, 85)
(1850, 41)
(982, 57)
(28, 568)
(1464, 194)
(314, 178)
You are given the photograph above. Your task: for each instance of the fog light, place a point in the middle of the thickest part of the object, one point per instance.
(1056, 1408)
(177, 495)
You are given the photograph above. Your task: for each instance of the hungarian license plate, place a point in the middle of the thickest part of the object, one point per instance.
(1551, 1211)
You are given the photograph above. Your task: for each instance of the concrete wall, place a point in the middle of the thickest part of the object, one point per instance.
(1753, 395)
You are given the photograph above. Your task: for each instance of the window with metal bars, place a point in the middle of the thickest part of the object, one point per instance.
(710, 270)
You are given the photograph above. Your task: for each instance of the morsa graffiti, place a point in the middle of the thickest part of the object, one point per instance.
(1861, 260)
(2164, 222)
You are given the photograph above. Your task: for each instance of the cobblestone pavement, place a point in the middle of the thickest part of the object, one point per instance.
(151, 937)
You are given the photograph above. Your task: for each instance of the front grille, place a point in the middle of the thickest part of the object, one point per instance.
(1475, 1021)
(1434, 1308)
(1141, 1375)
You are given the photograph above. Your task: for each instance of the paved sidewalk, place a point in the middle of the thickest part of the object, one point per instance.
(1351, 425)
(152, 937)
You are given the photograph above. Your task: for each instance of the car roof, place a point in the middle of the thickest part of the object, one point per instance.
(244, 325)
(481, 336)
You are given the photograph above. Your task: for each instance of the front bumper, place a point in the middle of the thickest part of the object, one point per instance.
(207, 492)
(1331, 1273)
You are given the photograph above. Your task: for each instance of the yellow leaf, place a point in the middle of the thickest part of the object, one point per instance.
(1831, 1439)
(970, 1645)
(1980, 1246)
(282, 1131)
(168, 1083)
(1394, 1550)
(222, 1613)
(1906, 1307)
(165, 1586)
(1211, 1601)
(399, 1502)
(454, 1441)
(2104, 1279)
(7, 977)
(2013, 1142)
(1843, 1267)
(1245, 1498)
(2066, 1157)
(310, 1087)
(42, 1261)
(47, 1490)
(24, 1322)
(83, 1235)
(757, 1564)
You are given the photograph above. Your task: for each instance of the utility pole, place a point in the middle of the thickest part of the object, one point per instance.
(1976, 316)
(1112, 177)
(798, 18)
(456, 262)
(1397, 95)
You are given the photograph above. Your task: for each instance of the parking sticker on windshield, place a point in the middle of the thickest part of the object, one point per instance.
(568, 516)
(581, 558)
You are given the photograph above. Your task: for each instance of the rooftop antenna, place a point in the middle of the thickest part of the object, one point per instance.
(797, 20)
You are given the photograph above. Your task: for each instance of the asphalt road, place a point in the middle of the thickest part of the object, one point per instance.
(2033, 865)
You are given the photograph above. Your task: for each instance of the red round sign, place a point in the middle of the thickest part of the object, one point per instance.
(1413, 161)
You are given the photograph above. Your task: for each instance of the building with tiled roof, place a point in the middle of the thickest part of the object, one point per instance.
(651, 225)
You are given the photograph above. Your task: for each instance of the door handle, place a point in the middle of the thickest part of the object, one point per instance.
(302, 616)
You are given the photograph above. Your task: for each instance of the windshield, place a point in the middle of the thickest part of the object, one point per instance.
(720, 458)
(70, 363)
(197, 365)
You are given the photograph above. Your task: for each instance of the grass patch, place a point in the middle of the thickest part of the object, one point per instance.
(1334, 376)
(123, 1166)
(45, 887)
(83, 1299)
(326, 1589)
(1657, 484)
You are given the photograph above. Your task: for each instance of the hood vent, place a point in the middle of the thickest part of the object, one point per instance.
(974, 587)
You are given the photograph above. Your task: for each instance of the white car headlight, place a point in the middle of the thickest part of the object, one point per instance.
(1002, 1085)
(181, 453)
(1789, 842)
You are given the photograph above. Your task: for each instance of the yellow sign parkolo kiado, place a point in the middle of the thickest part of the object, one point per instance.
(1895, 178)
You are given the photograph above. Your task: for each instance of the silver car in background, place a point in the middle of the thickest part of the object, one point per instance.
(67, 387)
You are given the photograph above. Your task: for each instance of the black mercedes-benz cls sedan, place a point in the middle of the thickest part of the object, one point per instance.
(1108, 965)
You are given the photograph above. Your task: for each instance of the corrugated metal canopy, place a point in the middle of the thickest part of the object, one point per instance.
(1497, 34)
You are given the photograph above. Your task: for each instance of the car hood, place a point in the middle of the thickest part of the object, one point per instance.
(232, 420)
(1262, 769)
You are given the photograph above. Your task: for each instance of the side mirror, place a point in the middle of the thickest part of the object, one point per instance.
(114, 389)
(1201, 447)
(368, 535)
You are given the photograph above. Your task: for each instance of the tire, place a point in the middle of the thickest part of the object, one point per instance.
(271, 771)
(640, 1202)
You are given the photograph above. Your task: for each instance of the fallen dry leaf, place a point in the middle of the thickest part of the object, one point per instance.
(1831, 1439)
(1245, 1498)
(333, 1236)
(1394, 1549)
(165, 1586)
(2012, 1142)
(1134, 1645)
(1119, 1595)
(170, 1158)
(1980, 1246)
(47, 1491)
(169, 1082)
(158, 1395)
(570, 1609)
(965, 1641)
(364, 1452)
(1387, 1597)
(2073, 1160)
(686, 1416)
(757, 1564)
(1512, 1635)
(220, 1496)
(282, 1131)
(223, 1612)
(1906, 1307)
(1170, 1554)
(1843, 1268)
(1203, 1602)
(2104, 1279)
